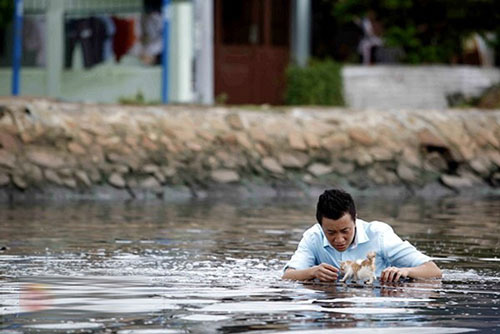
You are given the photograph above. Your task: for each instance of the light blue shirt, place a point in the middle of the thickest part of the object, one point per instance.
(391, 251)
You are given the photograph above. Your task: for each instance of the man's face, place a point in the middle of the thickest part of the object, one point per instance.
(340, 233)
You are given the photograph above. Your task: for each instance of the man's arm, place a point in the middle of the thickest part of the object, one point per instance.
(324, 272)
(426, 270)
(405, 259)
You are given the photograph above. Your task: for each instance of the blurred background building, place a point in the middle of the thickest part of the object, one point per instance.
(238, 52)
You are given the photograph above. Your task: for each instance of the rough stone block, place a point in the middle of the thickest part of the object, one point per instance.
(7, 159)
(47, 158)
(4, 179)
(272, 165)
(318, 169)
(117, 180)
(53, 177)
(405, 173)
(289, 160)
(361, 135)
(296, 141)
(335, 141)
(224, 176)
(456, 182)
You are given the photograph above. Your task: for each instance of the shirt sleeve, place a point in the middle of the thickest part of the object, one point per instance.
(401, 253)
(303, 257)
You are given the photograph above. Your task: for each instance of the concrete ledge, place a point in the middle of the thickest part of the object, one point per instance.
(420, 87)
(105, 83)
(374, 87)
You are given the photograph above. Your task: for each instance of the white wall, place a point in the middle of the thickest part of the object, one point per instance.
(376, 87)
(421, 87)
(103, 83)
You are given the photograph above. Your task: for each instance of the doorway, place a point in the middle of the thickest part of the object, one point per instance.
(252, 40)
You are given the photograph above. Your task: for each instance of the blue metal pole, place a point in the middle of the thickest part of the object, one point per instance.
(166, 14)
(17, 51)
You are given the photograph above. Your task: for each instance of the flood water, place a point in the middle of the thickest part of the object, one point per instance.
(214, 267)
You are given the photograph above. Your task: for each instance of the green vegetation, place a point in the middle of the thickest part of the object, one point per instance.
(427, 31)
(319, 83)
(221, 99)
(490, 98)
(138, 99)
(6, 11)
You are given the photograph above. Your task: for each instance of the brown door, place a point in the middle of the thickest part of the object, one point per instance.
(251, 50)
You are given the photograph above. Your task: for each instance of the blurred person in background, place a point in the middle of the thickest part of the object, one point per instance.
(152, 32)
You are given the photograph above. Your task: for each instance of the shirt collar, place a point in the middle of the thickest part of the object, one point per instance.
(326, 243)
(359, 238)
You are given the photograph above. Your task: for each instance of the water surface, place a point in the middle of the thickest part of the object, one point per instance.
(215, 267)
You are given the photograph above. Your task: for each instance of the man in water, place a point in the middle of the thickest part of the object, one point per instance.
(340, 236)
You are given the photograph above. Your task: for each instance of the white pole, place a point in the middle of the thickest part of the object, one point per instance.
(55, 46)
(204, 51)
(301, 31)
(181, 52)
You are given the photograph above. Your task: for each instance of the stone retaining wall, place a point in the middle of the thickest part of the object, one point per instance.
(89, 150)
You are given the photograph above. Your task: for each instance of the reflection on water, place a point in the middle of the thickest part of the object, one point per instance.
(206, 267)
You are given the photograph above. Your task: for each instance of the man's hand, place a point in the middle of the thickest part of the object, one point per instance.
(426, 270)
(393, 274)
(325, 272)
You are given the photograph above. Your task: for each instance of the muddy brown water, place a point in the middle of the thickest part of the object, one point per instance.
(214, 267)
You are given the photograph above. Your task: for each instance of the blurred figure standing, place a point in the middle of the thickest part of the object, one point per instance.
(152, 29)
(372, 31)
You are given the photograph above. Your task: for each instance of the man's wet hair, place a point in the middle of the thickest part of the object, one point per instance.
(333, 204)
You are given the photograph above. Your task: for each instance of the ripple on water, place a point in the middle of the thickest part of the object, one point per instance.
(489, 259)
(385, 330)
(150, 331)
(274, 307)
(260, 307)
(470, 275)
(205, 317)
(194, 270)
(67, 326)
(368, 310)
(279, 307)
(125, 305)
(361, 300)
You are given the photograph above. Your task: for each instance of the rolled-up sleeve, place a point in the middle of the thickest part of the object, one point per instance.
(303, 257)
(401, 253)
